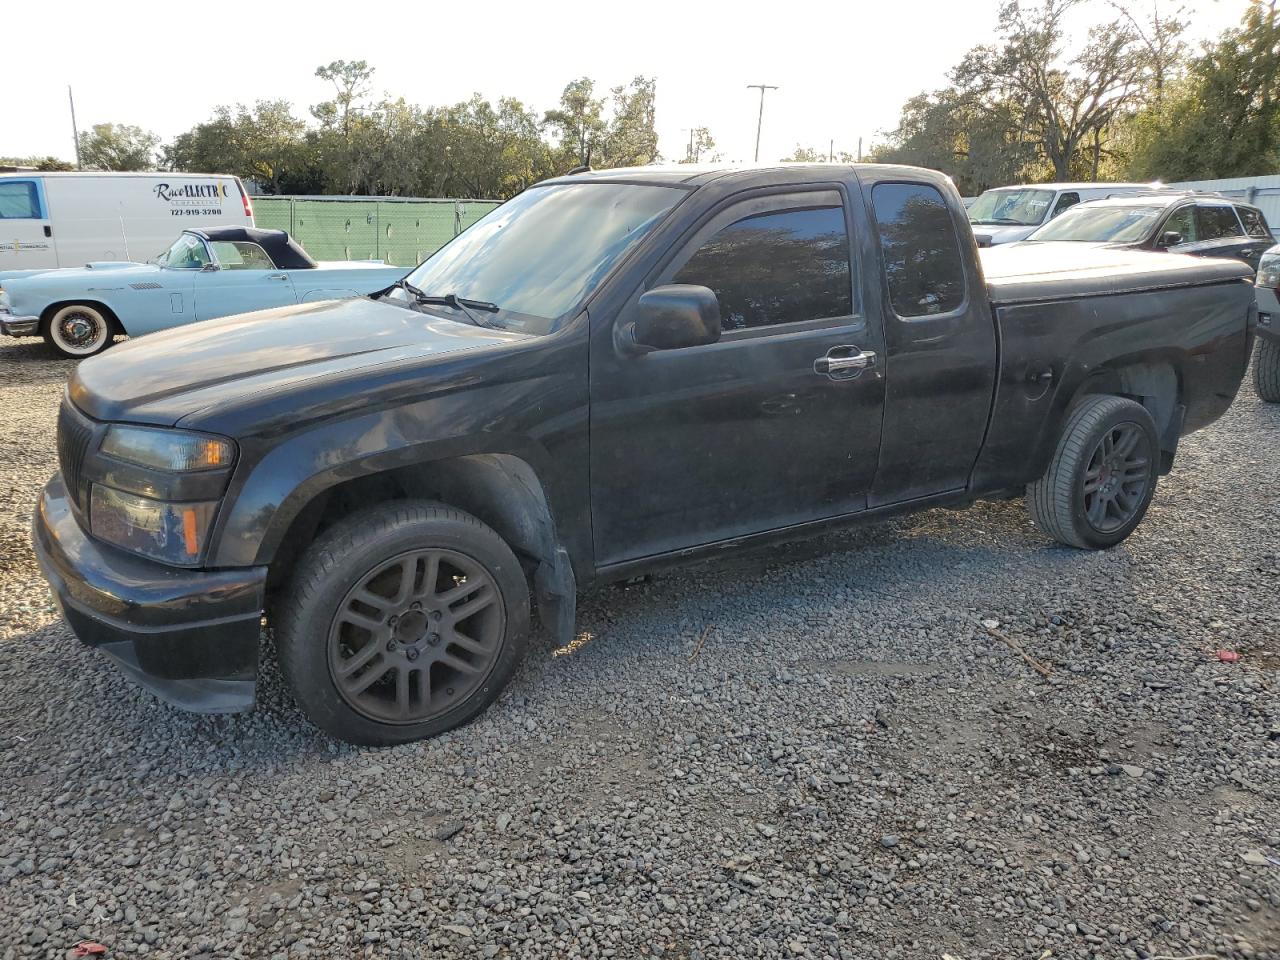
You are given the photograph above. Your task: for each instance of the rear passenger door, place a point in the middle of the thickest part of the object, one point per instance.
(757, 432)
(940, 363)
(1221, 234)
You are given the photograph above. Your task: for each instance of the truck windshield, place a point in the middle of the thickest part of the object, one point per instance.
(1022, 208)
(537, 256)
(1100, 224)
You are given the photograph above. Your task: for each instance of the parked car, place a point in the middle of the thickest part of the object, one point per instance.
(203, 275)
(50, 220)
(1266, 362)
(1005, 214)
(1199, 225)
(612, 373)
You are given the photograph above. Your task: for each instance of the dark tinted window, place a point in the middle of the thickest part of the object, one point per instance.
(1182, 222)
(920, 249)
(1219, 222)
(776, 268)
(1254, 225)
(1064, 201)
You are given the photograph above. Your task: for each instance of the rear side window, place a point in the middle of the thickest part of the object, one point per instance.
(920, 249)
(1217, 223)
(1065, 201)
(776, 268)
(241, 255)
(1254, 225)
(18, 200)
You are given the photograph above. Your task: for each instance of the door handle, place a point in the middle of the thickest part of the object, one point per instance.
(837, 361)
(277, 276)
(48, 230)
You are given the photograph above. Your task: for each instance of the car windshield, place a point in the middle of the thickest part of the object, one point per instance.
(539, 255)
(1100, 224)
(1011, 207)
(187, 253)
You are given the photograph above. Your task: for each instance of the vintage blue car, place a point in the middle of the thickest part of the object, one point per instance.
(207, 273)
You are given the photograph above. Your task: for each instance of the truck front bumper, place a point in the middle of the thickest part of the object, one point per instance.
(188, 636)
(12, 326)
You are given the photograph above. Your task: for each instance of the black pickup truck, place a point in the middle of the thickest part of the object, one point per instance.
(611, 373)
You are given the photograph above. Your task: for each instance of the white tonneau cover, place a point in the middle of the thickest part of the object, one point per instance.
(1022, 273)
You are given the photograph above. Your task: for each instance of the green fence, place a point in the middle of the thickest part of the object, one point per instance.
(401, 231)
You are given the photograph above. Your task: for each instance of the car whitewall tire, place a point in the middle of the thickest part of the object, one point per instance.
(78, 331)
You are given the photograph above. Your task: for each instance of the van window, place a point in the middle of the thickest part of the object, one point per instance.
(781, 267)
(921, 252)
(19, 200)
(241, 255)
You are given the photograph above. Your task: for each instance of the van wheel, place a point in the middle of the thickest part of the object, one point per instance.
(78, 331)
(402, 621)
(1102, 476)
(1266, 370)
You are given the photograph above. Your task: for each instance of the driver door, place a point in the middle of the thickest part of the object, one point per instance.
(245, 280)
(708, 443)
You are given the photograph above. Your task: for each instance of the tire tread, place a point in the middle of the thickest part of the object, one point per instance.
(1266, 370)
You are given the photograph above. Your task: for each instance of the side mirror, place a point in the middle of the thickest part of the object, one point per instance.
(1170, 238)
(673, 316)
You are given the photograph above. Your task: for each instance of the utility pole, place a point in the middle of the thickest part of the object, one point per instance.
(762, 87)
(831, 150)
(75, 133)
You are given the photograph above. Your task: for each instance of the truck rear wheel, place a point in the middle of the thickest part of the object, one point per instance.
(402, 621)
(1266, 370)
(1102, 476)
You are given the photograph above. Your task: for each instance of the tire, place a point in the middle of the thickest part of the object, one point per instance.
(1095, 493)
(353, 610)
(78, 330)
(1266, 370)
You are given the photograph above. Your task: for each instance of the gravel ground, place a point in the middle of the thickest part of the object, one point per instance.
(821, 752)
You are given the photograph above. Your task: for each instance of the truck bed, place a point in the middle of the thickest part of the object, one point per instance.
(1038, 272)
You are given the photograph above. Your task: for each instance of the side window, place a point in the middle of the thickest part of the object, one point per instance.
(1254, 225)
(241, 255)
(776, 268)
(1065, 200)
(1217, 223)
(920, 249)
(19, 200)
(1182, 222)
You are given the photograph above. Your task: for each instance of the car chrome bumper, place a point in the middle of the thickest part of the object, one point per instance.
(188, 636)
(12, 326)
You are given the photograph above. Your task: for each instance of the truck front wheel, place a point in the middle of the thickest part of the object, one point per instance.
(402, 621)
(1102, 476)
(1266, 370)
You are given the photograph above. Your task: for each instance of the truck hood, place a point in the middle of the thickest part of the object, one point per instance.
(162, 377)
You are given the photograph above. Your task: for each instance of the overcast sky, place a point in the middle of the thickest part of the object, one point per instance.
(843, 68)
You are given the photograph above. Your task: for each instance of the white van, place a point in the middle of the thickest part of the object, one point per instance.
(50, 220)
(1005, 214)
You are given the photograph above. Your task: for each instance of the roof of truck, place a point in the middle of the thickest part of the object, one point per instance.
(695, 174)
(1065, 270)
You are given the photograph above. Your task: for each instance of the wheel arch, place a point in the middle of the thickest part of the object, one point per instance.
(502, 490)
(103, 307)
(1156, 382)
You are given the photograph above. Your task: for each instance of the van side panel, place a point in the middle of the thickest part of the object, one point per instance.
(106, 217)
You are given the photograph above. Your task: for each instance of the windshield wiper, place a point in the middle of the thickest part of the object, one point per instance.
(460, 303)
(407, 287)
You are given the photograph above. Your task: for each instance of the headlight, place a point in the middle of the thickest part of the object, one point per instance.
(169, 450)
(1269, 269)
(169, 532)
(162, 505)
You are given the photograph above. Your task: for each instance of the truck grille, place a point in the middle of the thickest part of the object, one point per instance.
(74, 433)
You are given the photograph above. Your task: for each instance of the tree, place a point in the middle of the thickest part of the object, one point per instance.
(579, 121)
(350, 81)
(267, 144)
(1063, 101)
(700, 142)
(110, 146)
(803, 155)
(630, 139)
(43, 164)
(1223, 118)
